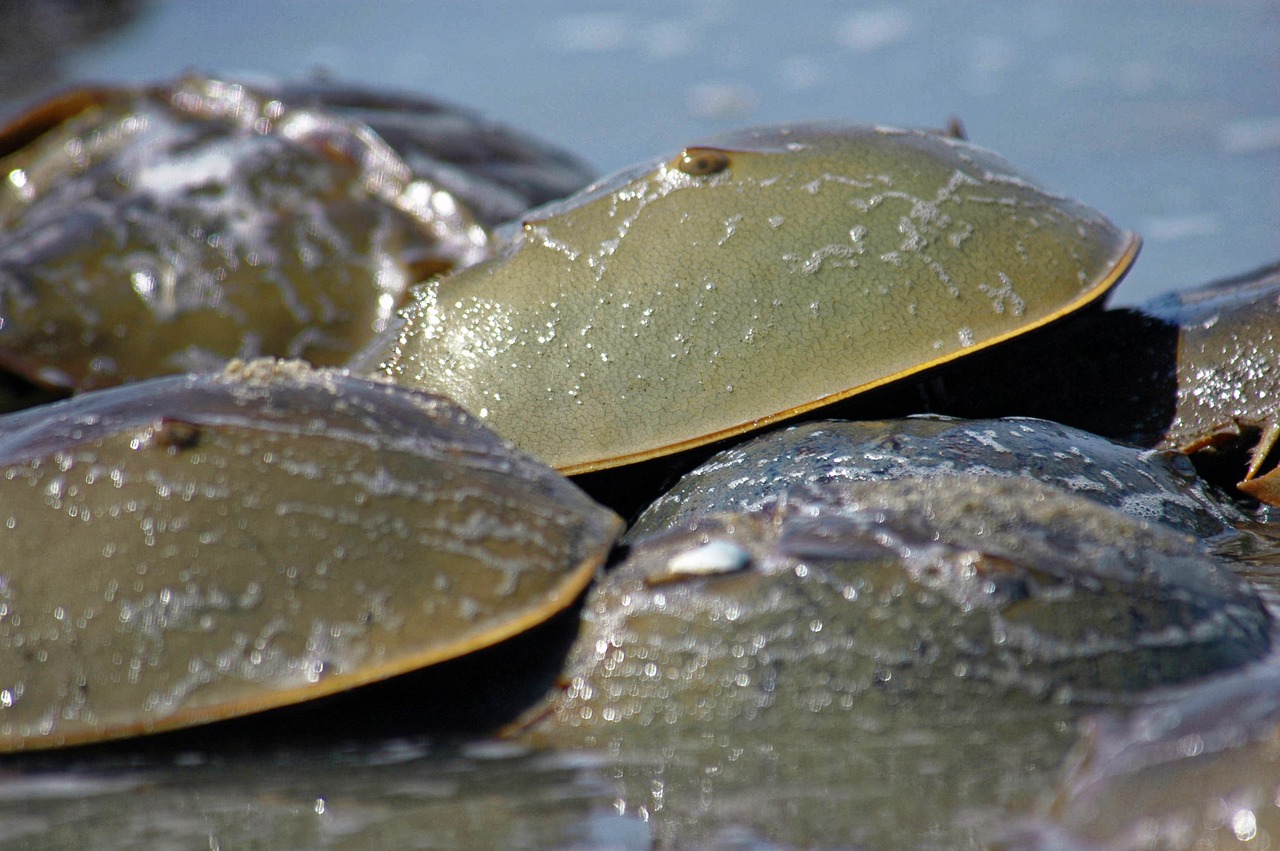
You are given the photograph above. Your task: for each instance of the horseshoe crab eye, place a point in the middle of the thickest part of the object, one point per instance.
(701, 161)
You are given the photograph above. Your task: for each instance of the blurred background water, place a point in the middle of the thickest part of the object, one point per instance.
(1164, 115)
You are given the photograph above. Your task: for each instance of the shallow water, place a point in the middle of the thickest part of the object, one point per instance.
(1164, 115)
(924, 773)
(919, 784)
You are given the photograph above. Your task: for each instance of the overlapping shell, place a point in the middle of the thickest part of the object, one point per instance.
(1147, 485)
(1228, 370)
(161, 229)
(913, 586)
(1194, 370)
(192, 548)
(914, 650)
(196, 548)
(757, 276)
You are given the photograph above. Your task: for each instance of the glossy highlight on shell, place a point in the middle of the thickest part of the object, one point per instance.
(1228, 371)
(831, 633)
(1146, 484)
(953, 627)
(1195, 371)
(930, 587)
(194, 548)
(161, 229)
(662, 309)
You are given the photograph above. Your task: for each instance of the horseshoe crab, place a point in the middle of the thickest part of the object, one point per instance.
(748, 279)
(164, 229)
(188, 549)
(1228, 371)
(971, 551)
(921, 621)
(1197, 371)
(1195, 770)
(1149, 485)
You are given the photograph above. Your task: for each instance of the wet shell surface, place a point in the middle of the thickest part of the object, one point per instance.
(1196, 771)
(1228, 370)
(919, 586)
(757, 276)
(1197, 371)
(1145, 484)
(922, 647)
(188, 549)
(163, 229)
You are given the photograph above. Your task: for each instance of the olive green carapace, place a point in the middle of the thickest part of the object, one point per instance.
(1227, 370)
(856, 599)
(163, 229)
(756, 277)
(913, 644)
(140, 240)
(188, 549)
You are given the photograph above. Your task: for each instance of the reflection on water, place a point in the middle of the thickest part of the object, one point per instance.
(393, 794)
(917, 780)
(1175, 136)
(1200, 770)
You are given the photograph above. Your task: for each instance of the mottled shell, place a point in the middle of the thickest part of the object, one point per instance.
(164, 229)
(1192, 370)
(1228, 370)
(1148, 485)
(937, 587)
(1197, 770)
(761, 275)
(188, 549)
(880, 647)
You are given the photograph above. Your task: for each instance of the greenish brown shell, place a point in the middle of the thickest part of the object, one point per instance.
(1148, 485)
(1228, 370)
(1196, 770)
(188, 549)
(1197, 371)
(755, 277)
(901, 642)
(932, 588)
(164, 229)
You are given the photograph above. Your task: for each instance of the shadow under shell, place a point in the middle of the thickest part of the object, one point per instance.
(184, 550)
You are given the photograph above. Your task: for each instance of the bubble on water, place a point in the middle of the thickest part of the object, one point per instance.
(1244, 824)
